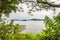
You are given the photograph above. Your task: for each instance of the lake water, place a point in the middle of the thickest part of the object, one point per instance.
(32, 26)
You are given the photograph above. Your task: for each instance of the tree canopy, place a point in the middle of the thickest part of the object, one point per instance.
(7, 6)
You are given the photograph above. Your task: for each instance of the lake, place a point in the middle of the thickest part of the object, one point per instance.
(32, 26)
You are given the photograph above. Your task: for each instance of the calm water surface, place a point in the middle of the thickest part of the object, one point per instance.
(32, 26)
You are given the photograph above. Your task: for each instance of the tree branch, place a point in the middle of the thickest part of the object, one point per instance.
(51, 5)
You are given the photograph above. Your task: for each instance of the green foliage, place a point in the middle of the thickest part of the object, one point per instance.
(9, 31)
(7, 6)
(12, 32)
(39, 0)
(52, 31)
(57, 18)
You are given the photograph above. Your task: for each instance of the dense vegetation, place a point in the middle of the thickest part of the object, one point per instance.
(7, 6)
(12, 32)
(9, 30)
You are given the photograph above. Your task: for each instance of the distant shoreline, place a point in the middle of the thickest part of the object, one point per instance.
(26, 19)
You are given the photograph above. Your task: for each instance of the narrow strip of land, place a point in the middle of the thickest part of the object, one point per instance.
(26, 19)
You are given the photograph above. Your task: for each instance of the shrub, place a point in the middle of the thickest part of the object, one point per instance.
(8, 31)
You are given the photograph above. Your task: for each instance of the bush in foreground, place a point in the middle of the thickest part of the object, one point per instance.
(12, 32)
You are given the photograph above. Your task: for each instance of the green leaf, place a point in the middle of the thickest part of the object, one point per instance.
(39, 0)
